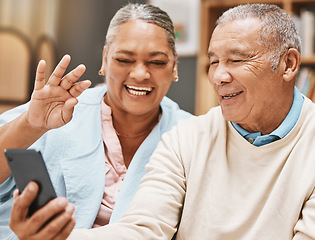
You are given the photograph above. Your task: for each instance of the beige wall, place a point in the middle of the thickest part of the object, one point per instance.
(33, 18)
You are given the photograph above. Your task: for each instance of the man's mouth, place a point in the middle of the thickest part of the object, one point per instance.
(138, 91)
(229, 96)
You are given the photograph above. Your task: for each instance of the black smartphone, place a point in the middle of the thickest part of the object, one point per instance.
(28, 165)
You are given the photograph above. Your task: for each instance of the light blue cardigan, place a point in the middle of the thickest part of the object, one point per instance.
(74, 156)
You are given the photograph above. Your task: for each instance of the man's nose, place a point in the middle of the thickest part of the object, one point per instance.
(220, 74)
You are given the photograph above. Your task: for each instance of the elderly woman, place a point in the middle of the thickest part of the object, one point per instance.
(96, 141)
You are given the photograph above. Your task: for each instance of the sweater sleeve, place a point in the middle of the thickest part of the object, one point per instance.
(305, 227)
(155, 211)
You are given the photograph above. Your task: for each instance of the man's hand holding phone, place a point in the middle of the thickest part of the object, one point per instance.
(53, 221)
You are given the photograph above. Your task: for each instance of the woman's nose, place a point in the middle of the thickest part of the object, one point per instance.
(140, 72)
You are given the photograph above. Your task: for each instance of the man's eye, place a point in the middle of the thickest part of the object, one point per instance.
(213, 62)
(237, 60)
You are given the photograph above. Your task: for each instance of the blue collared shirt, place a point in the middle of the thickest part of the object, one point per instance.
(288, 123)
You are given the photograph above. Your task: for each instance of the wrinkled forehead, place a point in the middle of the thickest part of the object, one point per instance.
(236, 34)
(237, 29)
(245, 25)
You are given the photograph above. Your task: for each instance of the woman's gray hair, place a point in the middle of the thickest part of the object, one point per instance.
(278, 32)
(144, 12)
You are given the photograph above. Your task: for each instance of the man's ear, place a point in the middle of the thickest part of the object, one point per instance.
(291, 63)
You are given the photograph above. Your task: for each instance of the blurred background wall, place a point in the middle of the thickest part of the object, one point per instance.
(78, 28)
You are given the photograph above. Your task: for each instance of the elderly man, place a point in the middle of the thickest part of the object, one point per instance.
(246, 169)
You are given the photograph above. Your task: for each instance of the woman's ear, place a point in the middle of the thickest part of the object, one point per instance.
(291, 63)
(104, 62)
(175, 71)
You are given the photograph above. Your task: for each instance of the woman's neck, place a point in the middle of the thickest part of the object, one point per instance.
(131, 126)
(128, 125)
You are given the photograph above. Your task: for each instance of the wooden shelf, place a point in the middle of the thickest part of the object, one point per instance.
(209, 12)
(308, 60)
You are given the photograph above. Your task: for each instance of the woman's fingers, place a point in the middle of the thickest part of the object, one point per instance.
(22, 202)
(65, 232)
(52, 105)
(79, 87)
(75, 91)
(61, 226)
(56, 79)
(49, 211)
(68, 109)
(54, 221)
(57, 74)
(40, 75)
(73, 76)
(68, 80)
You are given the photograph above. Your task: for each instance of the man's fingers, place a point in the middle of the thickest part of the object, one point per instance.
(73, 76)
(57, 74)
(40, 75)
(22, 202)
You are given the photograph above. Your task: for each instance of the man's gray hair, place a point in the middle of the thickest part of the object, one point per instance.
(278, 32)
(146, 13)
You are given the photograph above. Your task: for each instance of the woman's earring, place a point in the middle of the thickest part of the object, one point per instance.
(176, 79)
(100, 72)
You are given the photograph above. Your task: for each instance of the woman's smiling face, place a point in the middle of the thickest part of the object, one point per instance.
(139, 67)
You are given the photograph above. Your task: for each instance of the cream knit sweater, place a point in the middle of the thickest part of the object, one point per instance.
(218, 186)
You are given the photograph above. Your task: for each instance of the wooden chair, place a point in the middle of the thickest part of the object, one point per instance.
(15, 68)
(46, 49)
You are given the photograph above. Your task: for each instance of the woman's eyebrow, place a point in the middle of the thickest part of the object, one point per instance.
(125, 52)
(153, 54)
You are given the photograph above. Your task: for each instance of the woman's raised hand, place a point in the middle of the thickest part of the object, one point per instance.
(52, 103)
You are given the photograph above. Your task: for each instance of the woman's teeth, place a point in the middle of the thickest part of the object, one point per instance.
(138, 91)
(231, 95)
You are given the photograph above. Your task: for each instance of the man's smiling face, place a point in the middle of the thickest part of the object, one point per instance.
(241, 74)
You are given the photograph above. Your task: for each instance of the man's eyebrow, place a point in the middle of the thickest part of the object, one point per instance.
(240, 53)
(210, 54)
(232, 52)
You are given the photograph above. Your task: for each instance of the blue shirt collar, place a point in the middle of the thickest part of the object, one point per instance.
(284, 128)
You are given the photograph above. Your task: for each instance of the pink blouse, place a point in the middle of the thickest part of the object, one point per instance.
(115, 167)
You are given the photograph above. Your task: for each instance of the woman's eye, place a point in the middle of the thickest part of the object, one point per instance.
(158, 63)
(121, 60)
